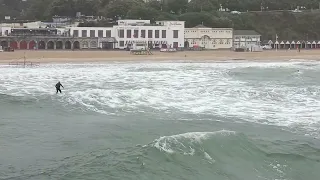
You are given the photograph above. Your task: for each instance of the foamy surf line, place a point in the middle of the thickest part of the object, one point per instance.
(91, 63)
(154, 60)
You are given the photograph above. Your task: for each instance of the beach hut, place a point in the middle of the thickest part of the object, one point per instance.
(308, 45)
(303, 44)
(318, 44)
(293, 45)
(314, 44)
(270, 43)
(282, 45)
(287, 46)
(298, 44)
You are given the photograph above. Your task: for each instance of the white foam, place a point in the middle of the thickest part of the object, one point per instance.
(251, 91)
(165, 143)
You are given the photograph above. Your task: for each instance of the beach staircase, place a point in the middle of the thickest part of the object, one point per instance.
(24, 63)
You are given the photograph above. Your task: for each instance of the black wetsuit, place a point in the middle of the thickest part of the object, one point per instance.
(58, 87)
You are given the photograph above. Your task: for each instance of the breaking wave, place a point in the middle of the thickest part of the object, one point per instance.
(229, 152)
(199, 155)
(283, 94)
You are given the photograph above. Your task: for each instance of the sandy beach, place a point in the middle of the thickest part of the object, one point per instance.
(101, 56)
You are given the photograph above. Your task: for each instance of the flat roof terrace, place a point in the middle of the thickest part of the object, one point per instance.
(33, 32)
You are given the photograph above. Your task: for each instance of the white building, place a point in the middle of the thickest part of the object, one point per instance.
(209, 38)
(163, 34)
(105, 35)
(246, 38)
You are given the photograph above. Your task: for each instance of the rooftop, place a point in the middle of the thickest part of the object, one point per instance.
(246, 32)
(200, 26)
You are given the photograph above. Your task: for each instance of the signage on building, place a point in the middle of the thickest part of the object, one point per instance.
(121, 22)
(139, 23)
(173, 23)
(130, 27)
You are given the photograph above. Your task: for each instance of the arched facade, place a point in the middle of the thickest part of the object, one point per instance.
(23, 45)
(59, 45)
(93, 45)
(48, 43)
(186, 44)
(4, 44)
(42, 45)
(76, 45)
(85, 45)
(14, 44)
(68, 45)
(32, 45)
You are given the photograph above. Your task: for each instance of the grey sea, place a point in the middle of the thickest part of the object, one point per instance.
(161, 121)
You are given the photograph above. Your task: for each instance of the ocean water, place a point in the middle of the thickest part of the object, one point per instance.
(161, 121)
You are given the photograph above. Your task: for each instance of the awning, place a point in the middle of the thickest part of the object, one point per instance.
(109, 40)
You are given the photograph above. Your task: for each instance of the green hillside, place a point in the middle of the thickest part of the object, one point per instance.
(276, 16)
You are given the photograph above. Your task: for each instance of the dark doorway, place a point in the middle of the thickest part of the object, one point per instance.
(50, 45)
(76, 45)
(41, 45)
(4, 44)
(67, 45)
(59, 45)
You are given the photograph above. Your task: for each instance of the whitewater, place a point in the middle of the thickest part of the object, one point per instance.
(161, 120)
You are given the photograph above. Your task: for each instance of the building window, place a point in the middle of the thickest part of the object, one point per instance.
(75, 33)
(149, 33)
(221, 41)
(175, 34)
(215, 41)
(228, 41)
(121, 43)
(157, 34)
(92, 33)
(108, 33)
(143, 33)
(121, 33)
(100, 33)
(84, 33)
(164, 34)
(136, 34)
(129, 35)
(175, 44)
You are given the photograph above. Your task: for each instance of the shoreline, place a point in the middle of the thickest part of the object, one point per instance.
(54, 57)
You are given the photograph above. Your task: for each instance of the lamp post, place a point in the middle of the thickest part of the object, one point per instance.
(276, 42)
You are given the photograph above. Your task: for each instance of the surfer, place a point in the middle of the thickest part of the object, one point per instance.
(58, 85)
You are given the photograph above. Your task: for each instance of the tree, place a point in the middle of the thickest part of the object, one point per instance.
(165, 16)
(119, 8)
(38, 9)
(175, 6)
(203, 5)
(195, 18)
(155, 4)
(142, 12)
(287, 24)
(86, 7)
(62, 8)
